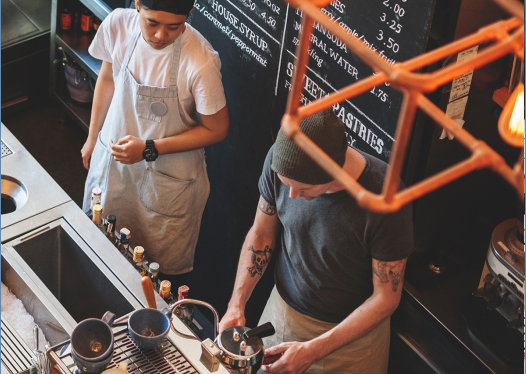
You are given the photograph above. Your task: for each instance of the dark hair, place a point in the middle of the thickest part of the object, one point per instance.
(184, 10)
(142, 6)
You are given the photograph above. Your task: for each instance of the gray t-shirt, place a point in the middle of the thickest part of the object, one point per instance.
(324, 269)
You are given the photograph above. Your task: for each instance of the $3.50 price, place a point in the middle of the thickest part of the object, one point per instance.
(390, 43)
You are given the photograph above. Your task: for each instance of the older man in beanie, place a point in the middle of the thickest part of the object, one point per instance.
(158, 102)
(340, 269)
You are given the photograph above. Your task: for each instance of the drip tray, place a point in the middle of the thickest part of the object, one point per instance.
(163, 360)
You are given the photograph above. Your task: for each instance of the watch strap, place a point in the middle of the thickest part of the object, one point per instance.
(150, 153)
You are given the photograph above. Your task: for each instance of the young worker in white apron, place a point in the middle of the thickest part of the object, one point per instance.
(145, 146)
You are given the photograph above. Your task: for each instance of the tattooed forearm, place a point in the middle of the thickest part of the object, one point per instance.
(260, 260)
(266, 207)
(391, 272)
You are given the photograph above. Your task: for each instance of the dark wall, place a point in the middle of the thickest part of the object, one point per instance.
(462, 215)
(456, 221)
(256, 41)
(457, 217)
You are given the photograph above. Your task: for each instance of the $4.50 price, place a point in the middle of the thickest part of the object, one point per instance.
(268, 19)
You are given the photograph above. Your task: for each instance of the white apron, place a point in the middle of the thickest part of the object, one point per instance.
(160, 202)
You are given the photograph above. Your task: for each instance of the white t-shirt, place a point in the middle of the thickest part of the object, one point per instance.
(199, 85)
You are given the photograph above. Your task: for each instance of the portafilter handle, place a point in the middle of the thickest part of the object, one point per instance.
(176, 305)
(259, 332)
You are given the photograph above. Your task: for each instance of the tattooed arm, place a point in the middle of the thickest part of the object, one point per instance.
(295, 357)
(391, 273)
(253, 260)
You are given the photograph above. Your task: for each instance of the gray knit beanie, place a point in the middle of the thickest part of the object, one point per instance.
(327, 131)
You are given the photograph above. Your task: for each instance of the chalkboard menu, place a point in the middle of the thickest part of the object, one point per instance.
(258, 39)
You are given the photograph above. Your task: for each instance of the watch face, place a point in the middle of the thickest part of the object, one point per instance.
(150, 154)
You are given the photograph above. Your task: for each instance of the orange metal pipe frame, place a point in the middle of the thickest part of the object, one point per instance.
(508, 38)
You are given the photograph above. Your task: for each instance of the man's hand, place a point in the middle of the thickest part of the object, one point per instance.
(86, 151)
(288, 358)
(127, 150)
(232, 317)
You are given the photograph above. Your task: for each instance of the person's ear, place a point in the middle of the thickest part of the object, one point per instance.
(137, 5)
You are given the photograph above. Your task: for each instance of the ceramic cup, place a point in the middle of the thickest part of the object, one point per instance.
(149, 327)
(92, 345)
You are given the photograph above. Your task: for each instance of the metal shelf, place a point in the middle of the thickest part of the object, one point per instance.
(76, 45)
(99, 8)
(80, 113)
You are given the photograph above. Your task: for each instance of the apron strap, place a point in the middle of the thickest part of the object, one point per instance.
(176, 57)
(129, 49)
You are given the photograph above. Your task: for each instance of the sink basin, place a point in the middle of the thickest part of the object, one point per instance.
(69, 273)
(53, 330)
(14, 194)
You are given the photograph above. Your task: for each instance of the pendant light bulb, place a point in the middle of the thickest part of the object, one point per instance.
(511, 121)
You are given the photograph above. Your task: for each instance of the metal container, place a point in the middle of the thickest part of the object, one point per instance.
(239, 348)
(69, 272)
(34, 300)
(236, 354)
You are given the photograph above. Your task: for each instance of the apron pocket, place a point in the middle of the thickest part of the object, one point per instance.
(100, 165)
(143, 107)
(166, 195)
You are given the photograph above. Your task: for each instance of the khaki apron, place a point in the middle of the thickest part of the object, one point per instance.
(160, 202)
(367, 355)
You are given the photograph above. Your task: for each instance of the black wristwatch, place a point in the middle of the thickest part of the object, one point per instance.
(150, 153)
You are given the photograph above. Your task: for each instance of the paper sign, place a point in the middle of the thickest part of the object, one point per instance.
(459, 122)
(460, 85)
(467, 54)
(457, 108)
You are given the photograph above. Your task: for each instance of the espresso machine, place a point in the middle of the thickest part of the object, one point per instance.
(495, 311)
(502, 282)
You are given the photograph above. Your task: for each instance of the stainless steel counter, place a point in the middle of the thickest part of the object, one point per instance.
(43, 192)
(48, 209)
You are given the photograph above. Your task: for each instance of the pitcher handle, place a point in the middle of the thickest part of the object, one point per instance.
(196, 302)
(109, 318)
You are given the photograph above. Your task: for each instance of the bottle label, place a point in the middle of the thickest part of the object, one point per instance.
(95, 199)
(165, 289)
(86, 22)
(65, 24)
